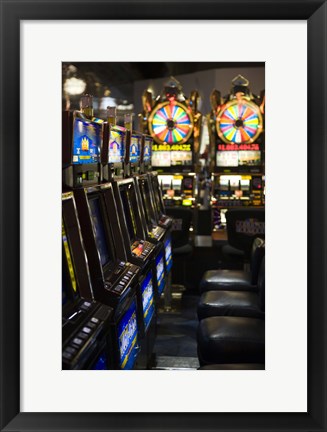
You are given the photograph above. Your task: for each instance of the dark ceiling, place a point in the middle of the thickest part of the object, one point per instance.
(119, 76)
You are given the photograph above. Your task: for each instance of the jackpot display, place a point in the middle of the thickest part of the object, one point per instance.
(237, 130)
(171, 122)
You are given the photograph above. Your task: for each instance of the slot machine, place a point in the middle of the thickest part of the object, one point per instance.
(86, 341)
(156, 233)
(119, 165)
(174, 123)
(237, 148)
(114, 280)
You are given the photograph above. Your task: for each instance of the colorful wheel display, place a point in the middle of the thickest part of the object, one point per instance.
(171, 123)
(239, 121)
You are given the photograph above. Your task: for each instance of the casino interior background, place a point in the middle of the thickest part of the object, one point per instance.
(163, 216)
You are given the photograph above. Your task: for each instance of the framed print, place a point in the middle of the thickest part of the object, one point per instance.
(290, 39)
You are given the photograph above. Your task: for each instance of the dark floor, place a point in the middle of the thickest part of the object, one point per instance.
(175, 345)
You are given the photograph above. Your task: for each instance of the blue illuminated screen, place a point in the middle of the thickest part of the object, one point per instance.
(160, 268)
(147, 299)
(147, 149)
(168, 254)
(127, 337)
(116, 145)
(87, 138)
(134, 154)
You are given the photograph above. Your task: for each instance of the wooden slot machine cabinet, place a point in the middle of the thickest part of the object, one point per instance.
(237, 149)
(174, 123)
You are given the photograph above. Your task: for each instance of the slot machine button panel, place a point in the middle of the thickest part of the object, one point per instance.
(82, 336)
(77, 341)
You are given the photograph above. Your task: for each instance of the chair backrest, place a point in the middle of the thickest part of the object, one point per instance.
(262, 285)
(181, 225)
(243, 225)
(257, 253)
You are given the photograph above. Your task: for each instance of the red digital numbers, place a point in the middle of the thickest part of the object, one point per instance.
(238, 147)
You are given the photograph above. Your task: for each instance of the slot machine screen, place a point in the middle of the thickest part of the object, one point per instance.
(100, 235)
(116, 146)
(126, 197)
(87, 137)
(168, 254)
(69, 282)
(160, 269)
(146, 199)
(160, 159)
(147, 150)
(249, 158)
(227, 159)
(157, 192)
(127, 337)
(134, 156)
(183, 158)
(147, 299)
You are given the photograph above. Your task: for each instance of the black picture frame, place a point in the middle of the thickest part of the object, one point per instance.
(12, 12)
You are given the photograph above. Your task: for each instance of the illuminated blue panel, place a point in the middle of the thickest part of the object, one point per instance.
(134, 154)
(147, 149)
(116, 145)
(168, 254)
(160, 269)
(147, 299)
(127, 337)
(101, 363)
(87, 138)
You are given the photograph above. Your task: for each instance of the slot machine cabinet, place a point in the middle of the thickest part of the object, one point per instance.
(86, 342)
(114, 280)
(145, 289)
(237, 134)
(174, 123)
(82, 140)
(139, 250)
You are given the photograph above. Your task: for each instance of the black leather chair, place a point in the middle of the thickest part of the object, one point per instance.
(234, 339)
(235, 303)
(228, 340)
(235, 280)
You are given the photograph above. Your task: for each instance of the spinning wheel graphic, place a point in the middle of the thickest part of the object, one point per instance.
(171, 123)
(239, 122)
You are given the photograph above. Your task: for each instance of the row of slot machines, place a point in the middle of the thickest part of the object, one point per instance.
(116, 244)
(224, 150)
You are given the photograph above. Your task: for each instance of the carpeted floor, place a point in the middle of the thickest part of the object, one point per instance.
(177, 329)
